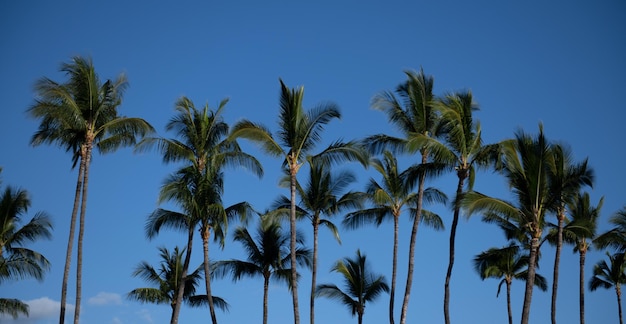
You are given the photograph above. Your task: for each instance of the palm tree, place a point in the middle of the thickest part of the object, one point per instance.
(299, 132)
(464, 151)
(268, 257)
(80, 115)
(615, 237)
(198, 186)
(361, 285)
(566, 178)
(582, 227)
(506, 264)
(524, 163)
(390, 199)
(322, 197)
(610, 275)
(413, 114)
(166, 282)
(16, 261)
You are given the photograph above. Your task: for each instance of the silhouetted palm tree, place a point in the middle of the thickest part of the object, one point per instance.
(390, 199)
(16, 261)
(506, 264)
(610, 275)
(81, 115)
(361, 285)
(197, 187)
(166, 282)
(299, 132)
(525, 163)
(268, 257)
(566, 179)
(412, 112)
(322, 196)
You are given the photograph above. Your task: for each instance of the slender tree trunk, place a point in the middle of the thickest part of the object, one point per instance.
(292, 228)
(581, 279)
(416, 221)
(81, 232)
(508, 300)
(182, 278)
(207, 271)
(530, 279)
(618, 291)
(70, 241)
(316, 223)
(266, 288)
(557, 260)
(360, 317)
(394, 268)
(455, 221)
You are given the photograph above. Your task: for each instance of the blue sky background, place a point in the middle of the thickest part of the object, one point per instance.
(560, 63)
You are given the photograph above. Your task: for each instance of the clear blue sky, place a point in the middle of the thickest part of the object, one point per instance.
(561, 63)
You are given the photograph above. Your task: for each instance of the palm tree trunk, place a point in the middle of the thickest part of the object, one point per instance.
(266, 288)
(581, 279)
(316, 223)
(81, 232)
(557, 260)
(292, 228)
(70, 241)
(207, 272)
(618, 292)
(508, 300)
(455, 221)
(394, 268)
(360, 318)
(530, 279)
(183, 276)
(416, 221)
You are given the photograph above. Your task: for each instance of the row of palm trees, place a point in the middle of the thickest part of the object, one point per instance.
(81, 115)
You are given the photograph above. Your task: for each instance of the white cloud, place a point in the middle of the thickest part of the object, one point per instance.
(105, 298)
(145, 315)
(116, 320)
(40, 309)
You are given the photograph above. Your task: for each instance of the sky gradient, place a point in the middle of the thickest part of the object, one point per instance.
(559, 63)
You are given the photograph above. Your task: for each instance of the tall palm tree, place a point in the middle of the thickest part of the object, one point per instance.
(390, 199)
(16, 261)
(506, 264)
(412, 112)
(166, 282)
(81, 115)
(463, 150)
(361, 285)
(299, 132)
(524, 163)
(323, 196)
(581, 228)
(566, 179)
(610, 275)
(268, 257)
(205, 150)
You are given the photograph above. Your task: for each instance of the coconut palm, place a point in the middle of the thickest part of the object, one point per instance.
(166, 282)
(16, 261)
(463, 150)
(361, 285)
(389, 200)
(81, 115)
(615, 237)
(268, 257)
(299, 132)
(322, 197)
(412, 112)
(203, 147)
(524, 163)
(506, 263)
(607, 275)
(566, 179)
(581, 228)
